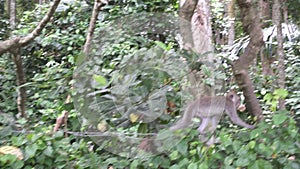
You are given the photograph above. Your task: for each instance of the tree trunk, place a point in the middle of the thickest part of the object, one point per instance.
(266, 62)
(264, 12)
(252, 25)
(21, 100)
(186, 11)
(231, 15)
(201, 30)
(277, 19)
(12, 14)
(21, 80)
(285, 13)
(197, 37)
(13, 46)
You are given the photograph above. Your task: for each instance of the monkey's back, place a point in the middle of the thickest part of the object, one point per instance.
(209, 106)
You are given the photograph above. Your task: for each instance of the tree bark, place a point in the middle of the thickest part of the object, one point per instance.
(186, 11)
(21, 99)
(231, 15)
(277, 19)
(21, 80)
(285, 12)
(264, 12)
(12, 14)
(201, 30)
(196, 35)
(251, 25)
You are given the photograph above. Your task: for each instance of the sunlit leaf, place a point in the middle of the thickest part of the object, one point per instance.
(162, 45)
(133, 117)
(102, 126)
(100, 80)
(282, 93)
(12, 150)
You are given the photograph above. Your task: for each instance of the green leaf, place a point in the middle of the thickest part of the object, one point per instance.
(183, 163)
(268, 97)
(80, 59)
(242, 161)
(30, 150)
(48, 151)
(192, 166)
(279, 118)
(236, 145)
(18, 164)
(229, 167)
(18, 141)
(282, 93)
(174, 155)
(203, 165)
(182, 147)
(162, 45)
(100, 80)
(8, 158)
(175, 167)
(58, 134)
(228, 160)
(261, 164)
(134, 164)
(251, 144)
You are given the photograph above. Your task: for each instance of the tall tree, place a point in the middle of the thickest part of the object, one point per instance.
(277, 20)
(13, 46)
(252, 25)
(21, 100)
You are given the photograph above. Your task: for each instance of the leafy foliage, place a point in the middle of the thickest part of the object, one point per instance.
(135, 74)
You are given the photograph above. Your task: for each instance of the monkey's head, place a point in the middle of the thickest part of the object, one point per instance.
(232, 96)
(236, 99)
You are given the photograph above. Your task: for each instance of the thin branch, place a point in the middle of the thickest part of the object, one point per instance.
(97, 5)
(17, 42)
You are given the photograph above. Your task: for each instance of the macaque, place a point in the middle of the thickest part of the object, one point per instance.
(210, 110)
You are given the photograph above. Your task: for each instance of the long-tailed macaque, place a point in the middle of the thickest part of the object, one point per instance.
(210, 109)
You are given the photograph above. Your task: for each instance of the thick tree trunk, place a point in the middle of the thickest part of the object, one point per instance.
(186, 11)
(196, 35)
(252, 25)
(264, 12)
(277, 19)
(201, 30)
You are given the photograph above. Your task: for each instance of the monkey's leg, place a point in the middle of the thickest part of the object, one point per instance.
(186, 119)
(208, 126)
